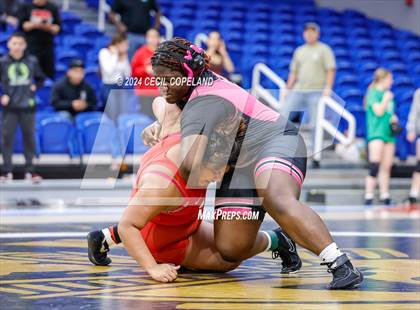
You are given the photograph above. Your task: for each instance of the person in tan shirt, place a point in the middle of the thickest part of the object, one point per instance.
(312, 74)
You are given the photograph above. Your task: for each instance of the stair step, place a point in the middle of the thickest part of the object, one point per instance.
(89, 15)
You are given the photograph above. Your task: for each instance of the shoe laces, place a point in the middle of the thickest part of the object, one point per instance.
(275, 254)
(329, 270)
(286, 259)
(337, 271)
(105, 247)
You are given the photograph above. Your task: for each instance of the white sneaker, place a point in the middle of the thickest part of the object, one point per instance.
(6, 177)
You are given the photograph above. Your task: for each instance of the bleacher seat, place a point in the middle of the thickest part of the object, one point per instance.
(360, 116)
(69, 21)
(60, 70)
(347, 80)
(81, 118)
(87, 31)
(96, 134)
(56, 136)
(43, 94)
(80, 44)
(66, 55)
(130, 127)
(92, 76)
(353, 97)
(3, 51)
(3, 40)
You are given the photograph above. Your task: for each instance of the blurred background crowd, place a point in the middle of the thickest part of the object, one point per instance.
(60, 74)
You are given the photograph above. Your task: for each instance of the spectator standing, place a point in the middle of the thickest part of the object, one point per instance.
(220, 61)
(115, 68)
(141, 68)
(413, 134)
(380, 107)
(72, 94)
(41, 21)
(20, 76)
(312, 74)
(134, 19)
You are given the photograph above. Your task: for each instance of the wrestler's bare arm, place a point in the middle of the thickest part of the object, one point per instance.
(153, 197)
(168, 122)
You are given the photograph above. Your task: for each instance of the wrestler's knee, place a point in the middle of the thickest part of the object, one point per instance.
(282, 204)
(234, 250)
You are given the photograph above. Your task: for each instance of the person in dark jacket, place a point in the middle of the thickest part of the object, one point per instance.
(72, 94)
(20, 76)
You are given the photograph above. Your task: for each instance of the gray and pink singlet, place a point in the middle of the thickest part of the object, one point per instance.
(267, 140)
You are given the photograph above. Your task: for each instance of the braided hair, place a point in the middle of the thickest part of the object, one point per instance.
(164, 59)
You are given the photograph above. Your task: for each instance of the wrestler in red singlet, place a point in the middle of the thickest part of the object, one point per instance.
(167, 234)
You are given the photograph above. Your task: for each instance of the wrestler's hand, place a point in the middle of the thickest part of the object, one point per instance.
(150, 134)
(163, 272)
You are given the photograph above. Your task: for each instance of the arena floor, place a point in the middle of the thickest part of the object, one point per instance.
(44, 265)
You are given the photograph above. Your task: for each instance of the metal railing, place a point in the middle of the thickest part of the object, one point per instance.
(103, 9)
(169, 27)
(260, 92)
(65, 5)
(324, 125)
(200, 38)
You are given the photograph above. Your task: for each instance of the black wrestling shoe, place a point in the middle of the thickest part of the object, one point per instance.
(287, 251)
(368, 202)
(345, 275)
(386, 202)
(412, 200)
(98, 248)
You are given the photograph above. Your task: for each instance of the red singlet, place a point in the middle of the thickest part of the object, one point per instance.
(167, 234)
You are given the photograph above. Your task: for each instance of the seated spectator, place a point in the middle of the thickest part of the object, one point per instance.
(142, 69)
(115, 68)
(220, 61)
(20, 76)
(72, 94)
(413, 134)
(41, 21)
(380, 107)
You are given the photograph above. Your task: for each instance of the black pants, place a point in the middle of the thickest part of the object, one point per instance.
(46, 59)
(26, 120)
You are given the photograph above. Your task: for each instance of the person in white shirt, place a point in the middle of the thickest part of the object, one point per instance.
(115, 68)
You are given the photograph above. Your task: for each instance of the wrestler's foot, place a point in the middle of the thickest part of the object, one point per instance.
(345, 275)
(287, 251)
(98, 248)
